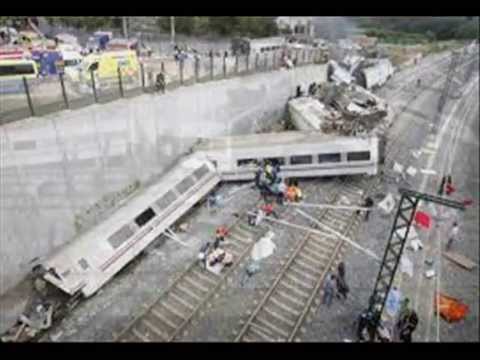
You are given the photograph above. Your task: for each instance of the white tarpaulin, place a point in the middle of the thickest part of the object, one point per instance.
(411, 171)
(397, 167)
(412, 234)
(415, 245)
(406, 266)
(387, 204)
(264, 247)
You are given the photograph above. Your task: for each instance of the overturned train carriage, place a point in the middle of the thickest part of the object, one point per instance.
(89, 261)
(300, 154)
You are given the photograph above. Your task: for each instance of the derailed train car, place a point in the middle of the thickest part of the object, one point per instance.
(300, 154)
(376, 75)
(89, 261)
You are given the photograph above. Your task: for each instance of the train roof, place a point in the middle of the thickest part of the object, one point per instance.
(261, 140)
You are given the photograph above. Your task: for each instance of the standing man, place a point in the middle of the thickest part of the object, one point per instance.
(342, 287)
(452, 236)
(329, 290)
(408, 324)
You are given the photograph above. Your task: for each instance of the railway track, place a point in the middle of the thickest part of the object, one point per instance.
(169, 315)
(282, 310)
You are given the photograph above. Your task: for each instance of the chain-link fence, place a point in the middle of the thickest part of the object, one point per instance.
(35, 97)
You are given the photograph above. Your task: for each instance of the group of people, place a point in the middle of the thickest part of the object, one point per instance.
(212, 254)
(335, 285)
(405, 324)
(270, 183)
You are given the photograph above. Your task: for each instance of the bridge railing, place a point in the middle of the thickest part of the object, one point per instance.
(23, 98)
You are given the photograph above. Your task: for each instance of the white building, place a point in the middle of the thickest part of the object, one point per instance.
(296, 24)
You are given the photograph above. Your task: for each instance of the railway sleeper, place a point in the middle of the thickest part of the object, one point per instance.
(293, 288)
(286, 308)
(181, 300)
(261, 333)
(306, 264)
(278, 317)
(314, 253)
(160, 315)
(207, 276)
(188, 292)
(298, 282)
(323, 242)
(289, 299)
(158, 332)
(310, 257)
(295, 269)
(178, 313)
(242, 238)
(275, 329)
(141, 335)
(196, 284)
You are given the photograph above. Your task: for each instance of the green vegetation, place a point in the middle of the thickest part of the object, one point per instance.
(253, 26)
(406, 30)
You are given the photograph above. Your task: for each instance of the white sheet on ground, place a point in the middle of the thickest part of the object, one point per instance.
(397, 167)
(406, 266)
(387, 204)
(264, 247)
(393, 302)
(411, 171)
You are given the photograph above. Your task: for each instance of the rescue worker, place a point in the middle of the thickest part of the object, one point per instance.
(368, 203)
(203, 254)
(449, 189)
(329, 290)
(220, 234)
(407, 325)
(269, 173)
(299, 92)
(452, 236)
(160, 82)
(342, 287)
(268, 210)
(294, 194)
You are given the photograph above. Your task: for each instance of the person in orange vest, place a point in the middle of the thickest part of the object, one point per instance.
(293, 193)
(220, 234)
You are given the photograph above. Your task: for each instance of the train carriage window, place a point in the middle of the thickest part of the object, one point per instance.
(120, 236)
(329, 158)
(145, 217)
(278, 160)
(166, 200)
(246, 162)
(185, 184)
(83, 264)
(358, 156)
(201, 172)
(301, 159)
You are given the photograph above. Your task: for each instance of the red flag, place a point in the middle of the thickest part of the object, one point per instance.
(422, 219)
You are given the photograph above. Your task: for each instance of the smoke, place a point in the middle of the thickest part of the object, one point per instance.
(334, 27)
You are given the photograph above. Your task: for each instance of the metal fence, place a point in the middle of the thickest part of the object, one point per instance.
(36, 97)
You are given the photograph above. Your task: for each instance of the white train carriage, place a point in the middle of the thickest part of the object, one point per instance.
(376, 75)
(89, 261)
(300, 154)
(307, 113)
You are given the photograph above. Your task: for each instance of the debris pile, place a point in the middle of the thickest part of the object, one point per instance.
(348, 110)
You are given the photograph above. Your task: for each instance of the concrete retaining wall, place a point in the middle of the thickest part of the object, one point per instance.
(59, 172)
